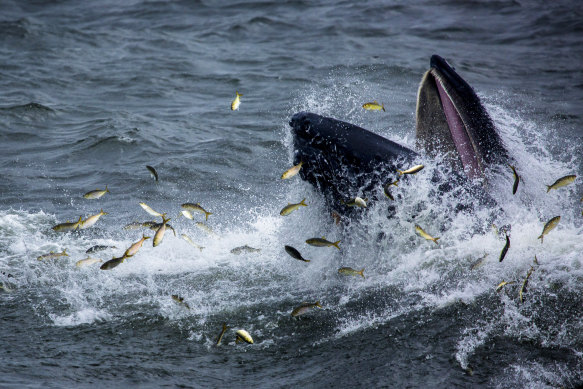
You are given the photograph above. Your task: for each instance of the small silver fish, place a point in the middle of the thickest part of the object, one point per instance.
(160, 233)
(292, 171)
(424, 234)
(236, 102)
(187, 238)
(247, 249)
(351, 272)
(413, 170)
(304, 308)
(95, 194)
(243, 336)
(153, 172)
(134, 248)
(91, 220)
(322, 242)
(505, 248)
(148, 209)
(180, 301)
(522, 290)
(114, 262)
(504, 283)
(87, 261)
(289, 208)
(205, 228)
(563, 181)
(196, 208)
(53, 255)
(357, 202)
(516, 179)
(295, 253)
(549, 226)
(97, 248)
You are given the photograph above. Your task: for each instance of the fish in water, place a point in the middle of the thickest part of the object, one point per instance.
(505, 248)
(243, 336)
(236, 102)
(114, 262)
(516, 179)
(563, 181)
(522, 290)
(292, 171)
(148, 209)
(97, 193)
(133, 249)
(138, 225)
(374, 106)
(187, 238)
(68, 226)
(87, 261)
(153, 172)
(348, 271)
(295, 253)
(549, 226)
(225, 328)
(53, 255)
(387, 191)
(180, 301)
(246, 249)
(304, 308)
(478, 262)
(504, 283)
(97, 248)
(196, 208)
(322, 242)
(289, 208)
(357, 202)
(186, 214)
(424, 234)
(413, 170)
(91, 220)
(160, 233)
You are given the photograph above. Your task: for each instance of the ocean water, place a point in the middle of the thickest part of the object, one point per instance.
(91, 93)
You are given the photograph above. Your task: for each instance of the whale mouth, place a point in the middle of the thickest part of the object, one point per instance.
(451, 120)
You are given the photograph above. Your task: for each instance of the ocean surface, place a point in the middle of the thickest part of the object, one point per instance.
(92, 92)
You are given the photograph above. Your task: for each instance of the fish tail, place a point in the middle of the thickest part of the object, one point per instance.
(207, 215)
(435, 240)
(541, 238)
(361, 272)
(400, 172)
(145, 237)
(107, 190)
(303, 202)
(335, 244)
(317, 304)
(65, 252)
(383, 107)
(549, 187)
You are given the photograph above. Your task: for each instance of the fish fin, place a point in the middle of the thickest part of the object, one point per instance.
(361, 272)
(107, 190)
(541, 238)
(435, 240)
(65, 252)
(335, 244)
(400, 172)
(303, 202)
(549, 188)
(207, 215)
(318, 304)
(383, 107)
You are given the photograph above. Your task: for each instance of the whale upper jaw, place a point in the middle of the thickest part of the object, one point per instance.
(452, 120)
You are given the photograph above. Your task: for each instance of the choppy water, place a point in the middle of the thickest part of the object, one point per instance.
(91, 93)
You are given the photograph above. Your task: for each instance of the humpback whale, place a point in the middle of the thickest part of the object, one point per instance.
(341, 158)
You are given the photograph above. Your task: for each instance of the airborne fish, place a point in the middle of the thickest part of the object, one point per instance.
(304, 308)
(561, 182)
(504, 283)
(225, 328)
(357, 201)
(292, 171)
(133, 249)
(187, 238)
(295, 253)
(53, 255)
(87, 261)
(524, 285)
(97, 248)
(180, 301)
(95, 194)
(236, 102)
(374, 106)
(425, 234)
(289, 208)
(243, 336)
(160, 233)
(68, 226)
(348, 271)
(322, 242)
(246, 248)
(505, 248)
(150, 210)
(549, 226)
(516, 179)
(91, 220)
(196, 208)
(153, 172)
(205, 228)
(114, 262)
(412, 170)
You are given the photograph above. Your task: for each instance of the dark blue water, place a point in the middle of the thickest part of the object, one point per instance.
(92, 93)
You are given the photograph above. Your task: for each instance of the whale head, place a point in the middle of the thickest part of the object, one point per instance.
(452, 120)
